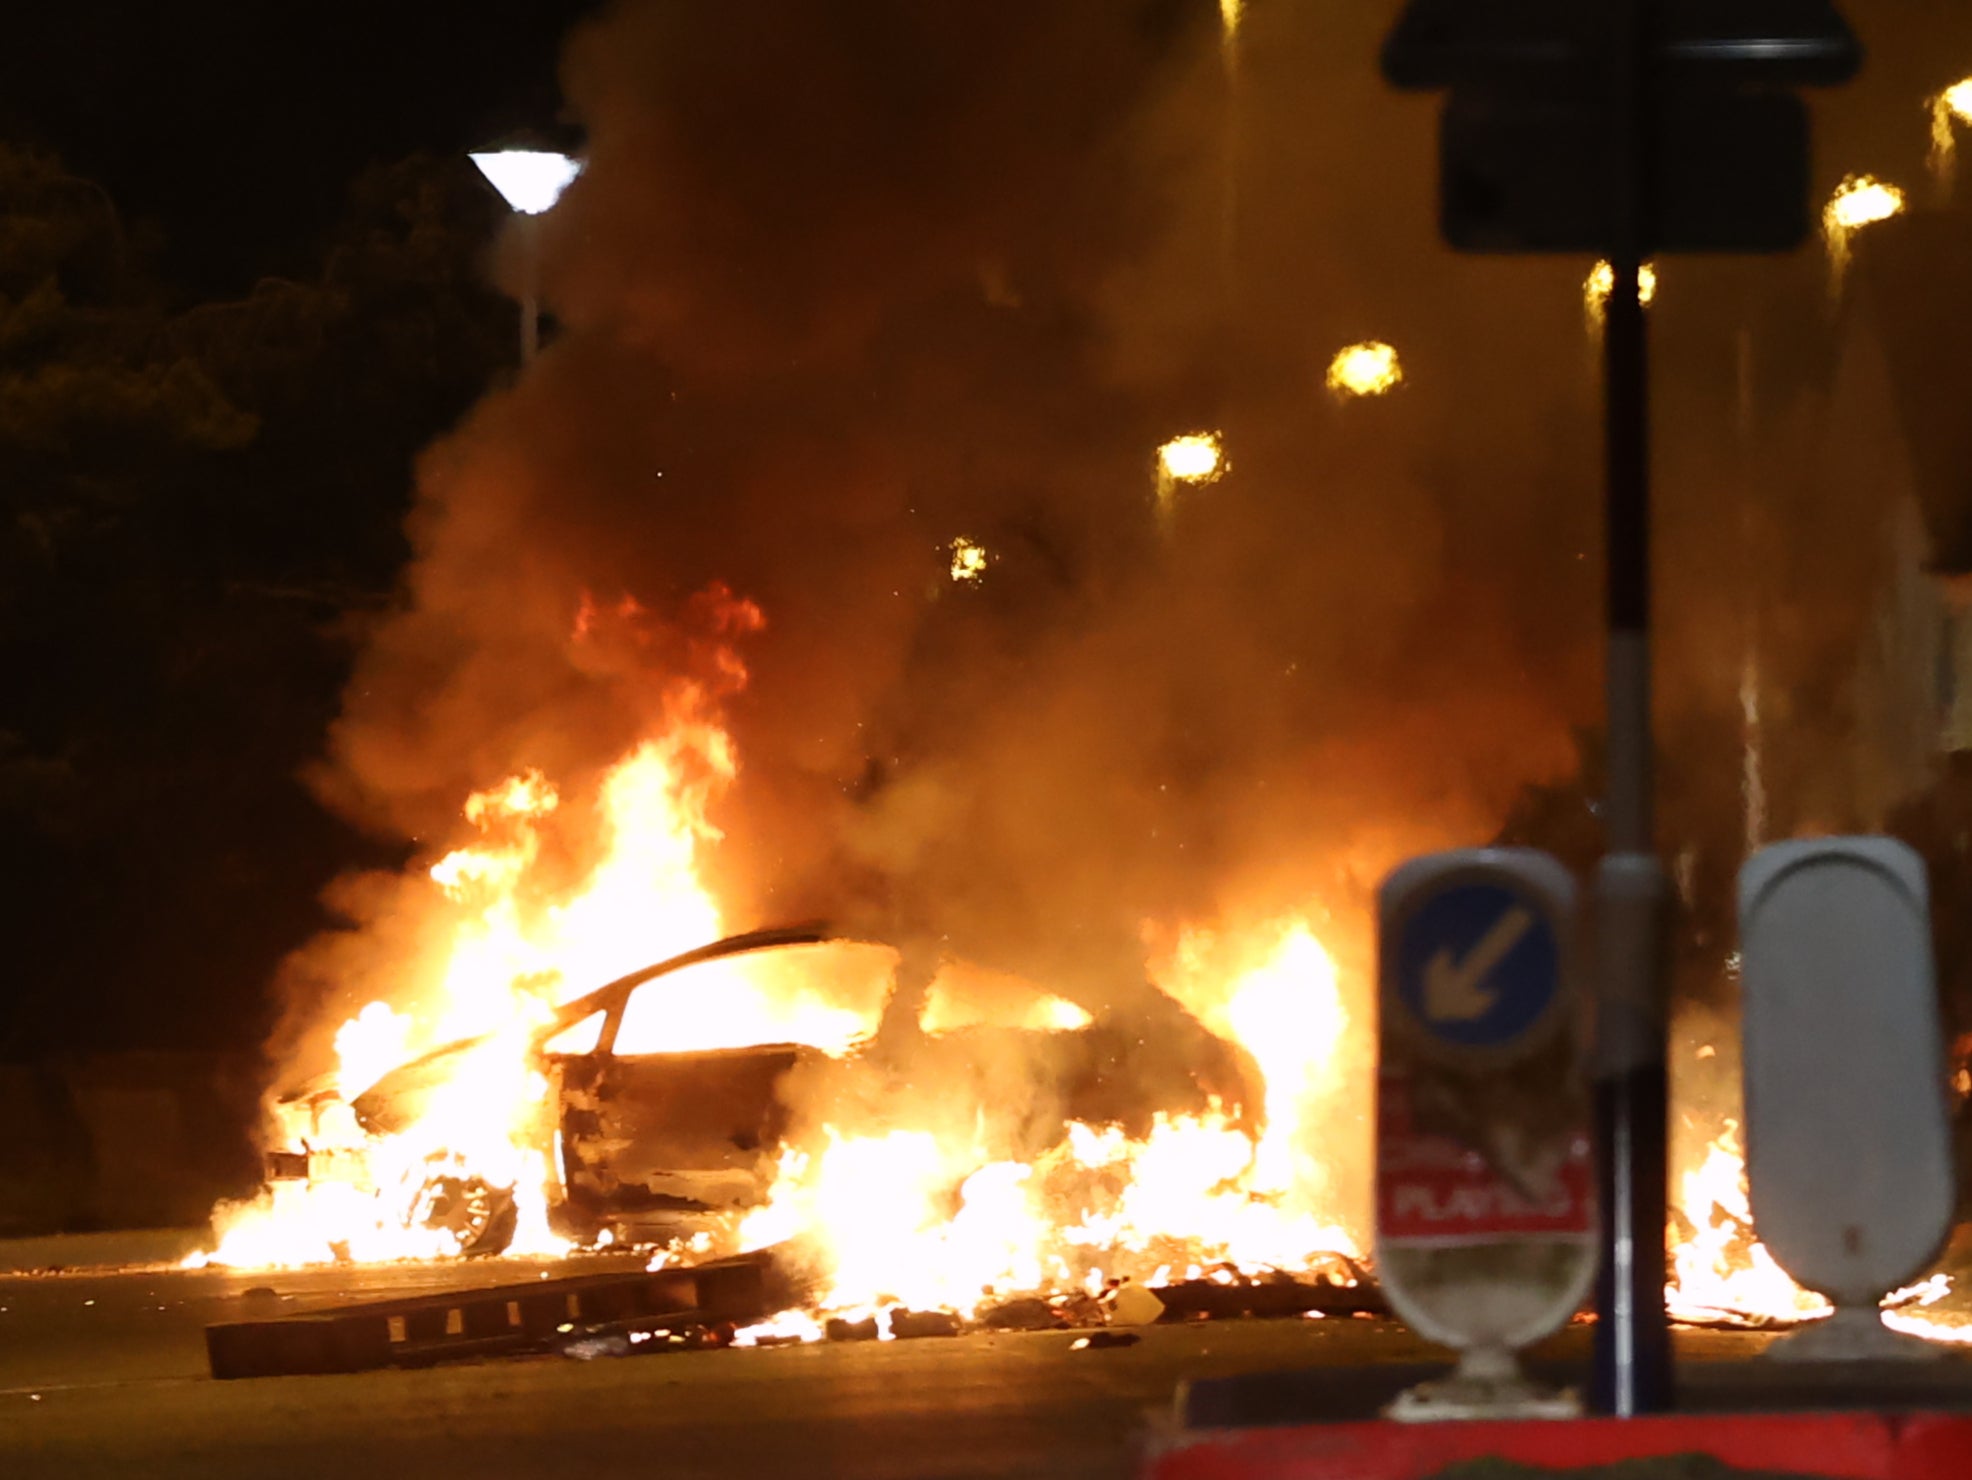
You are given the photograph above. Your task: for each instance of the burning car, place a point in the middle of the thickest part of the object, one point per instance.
(639, 1145)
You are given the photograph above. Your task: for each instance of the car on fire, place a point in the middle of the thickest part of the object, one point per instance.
(642, 1146)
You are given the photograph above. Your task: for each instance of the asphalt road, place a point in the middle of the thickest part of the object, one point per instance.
(103, 1373)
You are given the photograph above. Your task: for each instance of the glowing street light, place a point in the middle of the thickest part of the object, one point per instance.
(1601, 282)
(530, 181)
(969, 559)
(1859, 201)
(1192, 458)
(1953, 105)
(1366, 369)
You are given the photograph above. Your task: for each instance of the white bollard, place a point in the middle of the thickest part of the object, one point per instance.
(1848, 1130)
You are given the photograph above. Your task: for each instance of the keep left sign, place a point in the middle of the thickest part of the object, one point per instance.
(1485, 1179)
(1477, 962)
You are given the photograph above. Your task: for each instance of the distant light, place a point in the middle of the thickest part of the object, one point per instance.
(1954, 103)
(1858, 201)
(1601, 282)
(1192, 458)
(1958, 98)
(1366, 369)
(529, 180)
(969, 559)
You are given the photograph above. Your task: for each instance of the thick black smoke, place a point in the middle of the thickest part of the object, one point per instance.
(844, 283)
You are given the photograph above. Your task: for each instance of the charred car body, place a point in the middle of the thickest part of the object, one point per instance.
(648, 1145)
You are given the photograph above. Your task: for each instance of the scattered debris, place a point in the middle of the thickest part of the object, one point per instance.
(588, 1348)
(1080, 1309)
(1133, 1305)
(1278, 1295)
(750, 1300)
(641, 1338)
(1102, 1340)
(499, 1320)
(908, 1324)
(1032, 1314)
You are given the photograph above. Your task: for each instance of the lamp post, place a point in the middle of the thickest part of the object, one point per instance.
(530, 181)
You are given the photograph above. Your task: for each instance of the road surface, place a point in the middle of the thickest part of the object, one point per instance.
(103, 1373)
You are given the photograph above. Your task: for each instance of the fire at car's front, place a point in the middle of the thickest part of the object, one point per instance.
(975, 1152)
(985, 1152)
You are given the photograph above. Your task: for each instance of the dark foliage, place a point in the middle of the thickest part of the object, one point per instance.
(202, 505)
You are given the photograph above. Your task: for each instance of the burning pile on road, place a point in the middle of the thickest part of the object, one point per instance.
(951, 1147)
(972, 1146)
(759, 1093)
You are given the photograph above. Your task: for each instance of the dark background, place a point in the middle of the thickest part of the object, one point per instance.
(238, 128)
(242, 283)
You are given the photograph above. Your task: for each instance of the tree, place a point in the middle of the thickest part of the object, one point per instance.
(199, 499)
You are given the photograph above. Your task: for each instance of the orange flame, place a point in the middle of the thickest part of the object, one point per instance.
(907, 1217)
(518, 946)
(1721, 1269)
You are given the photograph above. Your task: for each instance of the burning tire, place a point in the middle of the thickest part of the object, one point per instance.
(480, 1216)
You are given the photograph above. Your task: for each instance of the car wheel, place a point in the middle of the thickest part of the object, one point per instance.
(481, 1217)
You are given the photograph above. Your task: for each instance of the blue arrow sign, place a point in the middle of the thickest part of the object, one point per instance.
(1477, 965)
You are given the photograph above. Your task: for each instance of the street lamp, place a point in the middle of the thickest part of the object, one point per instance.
(530, 181)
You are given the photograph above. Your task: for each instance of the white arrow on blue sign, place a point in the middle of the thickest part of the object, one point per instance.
(1477, 962)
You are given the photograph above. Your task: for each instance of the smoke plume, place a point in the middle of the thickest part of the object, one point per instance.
(841, 285)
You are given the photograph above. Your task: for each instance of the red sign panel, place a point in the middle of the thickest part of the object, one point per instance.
(1434, 1189)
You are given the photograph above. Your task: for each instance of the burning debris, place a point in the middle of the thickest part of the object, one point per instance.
(746, 1094)
(753, 1301)
(652, 1146)
(1721, 1273)
(606, 1135)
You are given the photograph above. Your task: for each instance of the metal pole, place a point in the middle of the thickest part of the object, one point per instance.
(1632, 1369)
(530, 293)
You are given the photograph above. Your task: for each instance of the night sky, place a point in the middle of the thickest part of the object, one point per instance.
(238, 127)
(180, 643)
